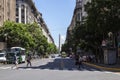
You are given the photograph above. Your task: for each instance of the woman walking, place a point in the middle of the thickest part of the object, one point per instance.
(29, 60)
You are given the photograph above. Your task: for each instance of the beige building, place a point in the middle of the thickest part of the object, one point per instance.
(7, 10)
(45, 29)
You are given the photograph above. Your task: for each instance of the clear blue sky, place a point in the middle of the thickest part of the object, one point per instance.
(57, 14)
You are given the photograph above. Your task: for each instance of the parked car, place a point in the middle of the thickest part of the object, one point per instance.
(2, 57)
(52, 56)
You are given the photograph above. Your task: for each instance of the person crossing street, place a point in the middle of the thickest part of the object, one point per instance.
(29, 60)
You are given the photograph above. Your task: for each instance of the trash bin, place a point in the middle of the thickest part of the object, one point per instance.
(110, 55)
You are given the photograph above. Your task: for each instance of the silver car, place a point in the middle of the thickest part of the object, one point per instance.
(2, 57)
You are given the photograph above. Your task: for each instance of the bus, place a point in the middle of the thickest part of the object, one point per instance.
(19, 52)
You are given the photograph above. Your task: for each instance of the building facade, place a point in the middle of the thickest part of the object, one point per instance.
(44, 28)
(26, 11)
(78, 16)
(7, 10)
(23, 11)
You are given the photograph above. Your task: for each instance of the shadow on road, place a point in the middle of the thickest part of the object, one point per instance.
(61, 64)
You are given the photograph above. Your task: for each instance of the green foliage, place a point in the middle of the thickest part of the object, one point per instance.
(103, 17)
(29, 36)
(51, 48)
(16, 35)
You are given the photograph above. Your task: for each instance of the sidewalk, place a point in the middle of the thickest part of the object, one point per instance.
(114, 68)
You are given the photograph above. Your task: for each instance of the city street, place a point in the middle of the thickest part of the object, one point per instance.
(34, 31)
(54, 69)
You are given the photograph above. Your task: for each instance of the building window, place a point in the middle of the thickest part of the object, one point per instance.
(0, 18)
(17, 11)
(17, 20)
(17, 5)
(23, 21)
(8, 13)
(0, 6)
(22, 6)
(78, 17)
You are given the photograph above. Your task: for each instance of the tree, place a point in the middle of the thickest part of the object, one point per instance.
(103, 17)
(51, 48)
(17, 35)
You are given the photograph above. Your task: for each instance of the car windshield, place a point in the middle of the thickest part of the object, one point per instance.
(10, 54)
(1, 55)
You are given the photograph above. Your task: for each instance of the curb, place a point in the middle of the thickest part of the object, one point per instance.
(102, 68)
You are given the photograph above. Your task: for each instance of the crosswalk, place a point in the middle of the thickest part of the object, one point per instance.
(51, 68)
(55, 69)
(47, 69)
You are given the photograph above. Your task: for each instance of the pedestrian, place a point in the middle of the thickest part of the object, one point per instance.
(29, 60)
(15, 61)
(80, 62)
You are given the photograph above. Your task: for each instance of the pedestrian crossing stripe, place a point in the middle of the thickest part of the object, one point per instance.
(112, 73)
(5, 67)
(51, 69)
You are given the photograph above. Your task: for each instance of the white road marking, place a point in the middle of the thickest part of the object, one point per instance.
(5, 67)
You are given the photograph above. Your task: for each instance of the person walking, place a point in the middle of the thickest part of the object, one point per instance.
(15, 61)
(80, 62)
(29, 60)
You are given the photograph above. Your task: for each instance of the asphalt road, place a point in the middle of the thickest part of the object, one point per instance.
(55, 69)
